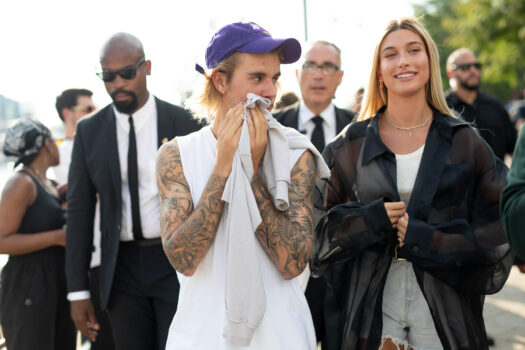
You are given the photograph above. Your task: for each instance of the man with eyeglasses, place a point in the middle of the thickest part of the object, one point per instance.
(486, 113)
(113, 159)
(71, 105)
(316, 116)
(320, 120)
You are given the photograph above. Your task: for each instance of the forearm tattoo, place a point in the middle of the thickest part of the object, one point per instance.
(187, 233)
(287, 237)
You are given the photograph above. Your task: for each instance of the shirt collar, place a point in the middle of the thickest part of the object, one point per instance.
(374, 147)
(140, 116)
(305, 115)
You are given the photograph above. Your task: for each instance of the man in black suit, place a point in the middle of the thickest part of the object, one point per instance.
(319, 119)
(113, 158)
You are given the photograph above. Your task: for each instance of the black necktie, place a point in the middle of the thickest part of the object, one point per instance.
(133, 182)
(318, 133)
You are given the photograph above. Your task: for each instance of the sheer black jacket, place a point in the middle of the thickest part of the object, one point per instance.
(455, 238)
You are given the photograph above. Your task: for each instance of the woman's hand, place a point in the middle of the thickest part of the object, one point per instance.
(227, 131)
(258, 136)
(402, 225)
(395, 210)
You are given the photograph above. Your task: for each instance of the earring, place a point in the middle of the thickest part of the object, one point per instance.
(380, 84)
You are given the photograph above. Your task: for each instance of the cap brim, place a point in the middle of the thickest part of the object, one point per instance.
(291, 49)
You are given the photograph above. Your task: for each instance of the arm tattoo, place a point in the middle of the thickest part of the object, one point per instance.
(287, 237)
(187, 233)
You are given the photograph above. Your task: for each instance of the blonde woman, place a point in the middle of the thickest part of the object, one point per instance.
(412, 239)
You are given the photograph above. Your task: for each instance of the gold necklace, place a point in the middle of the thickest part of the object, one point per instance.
(407, 129)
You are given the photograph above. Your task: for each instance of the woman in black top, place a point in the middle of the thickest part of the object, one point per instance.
(412, 240)
(34, 312)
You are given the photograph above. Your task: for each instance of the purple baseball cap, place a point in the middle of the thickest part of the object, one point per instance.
(251, 38)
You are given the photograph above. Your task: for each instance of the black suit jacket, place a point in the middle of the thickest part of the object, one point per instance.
(290, 117)
(95, 168)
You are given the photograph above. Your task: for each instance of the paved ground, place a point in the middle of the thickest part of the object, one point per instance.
(505, 314)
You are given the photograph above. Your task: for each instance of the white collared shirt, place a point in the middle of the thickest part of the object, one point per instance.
(306, 125)
(145, 123)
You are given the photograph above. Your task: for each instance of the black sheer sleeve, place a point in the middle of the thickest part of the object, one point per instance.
(348, 227)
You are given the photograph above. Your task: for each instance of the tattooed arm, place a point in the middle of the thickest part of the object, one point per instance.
(287, 237)
(187, 233)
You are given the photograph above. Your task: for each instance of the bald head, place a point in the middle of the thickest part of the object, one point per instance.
(122, 45)
(123, 62)
(453, 57)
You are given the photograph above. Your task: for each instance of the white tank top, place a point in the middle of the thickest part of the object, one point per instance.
(201, 311)
(407, 166)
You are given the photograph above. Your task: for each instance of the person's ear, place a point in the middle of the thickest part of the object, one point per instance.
(219, 81)
(147, 65)
(67, 114)
(340, 75)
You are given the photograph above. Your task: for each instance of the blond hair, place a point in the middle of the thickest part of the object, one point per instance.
(206, 102)
(376, 96)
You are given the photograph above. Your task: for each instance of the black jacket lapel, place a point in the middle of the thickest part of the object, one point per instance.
(111, 147)
(164, 123)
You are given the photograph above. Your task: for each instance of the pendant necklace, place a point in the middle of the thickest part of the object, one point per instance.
(407, 129)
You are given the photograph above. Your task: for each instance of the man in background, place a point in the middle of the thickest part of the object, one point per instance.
(113, 159)
(71, 105)
(315, 115)
(486, 113)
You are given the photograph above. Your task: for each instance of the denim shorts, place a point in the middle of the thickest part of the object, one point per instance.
(406, 316)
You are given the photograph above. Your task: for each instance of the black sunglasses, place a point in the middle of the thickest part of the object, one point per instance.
(464, 67)
(127, 73)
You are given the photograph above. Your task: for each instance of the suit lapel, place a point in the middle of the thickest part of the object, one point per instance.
(340, 120)
(290, 117)
(164, 124)
(111, 147)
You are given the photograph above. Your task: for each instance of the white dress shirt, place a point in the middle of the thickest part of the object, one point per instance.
(62, 169)
(306, 125)
(145, 123)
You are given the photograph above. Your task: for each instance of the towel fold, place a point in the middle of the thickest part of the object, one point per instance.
(245, 297)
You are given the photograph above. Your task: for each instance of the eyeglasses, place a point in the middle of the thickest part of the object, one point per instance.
(465, 67)
(87, 109)
(127, 73)
(327, 68)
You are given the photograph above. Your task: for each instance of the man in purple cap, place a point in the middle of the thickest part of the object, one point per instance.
(225, 303)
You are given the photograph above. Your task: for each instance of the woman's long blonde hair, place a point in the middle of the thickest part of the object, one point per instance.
(377, 96)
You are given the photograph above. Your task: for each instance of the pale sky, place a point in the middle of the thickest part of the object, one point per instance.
(49, 46)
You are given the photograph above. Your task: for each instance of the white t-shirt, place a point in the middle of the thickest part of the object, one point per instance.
(407, 168)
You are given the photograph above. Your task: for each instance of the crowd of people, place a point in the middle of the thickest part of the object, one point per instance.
(224, 226)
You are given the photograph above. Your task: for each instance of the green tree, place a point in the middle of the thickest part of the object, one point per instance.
(493, 29)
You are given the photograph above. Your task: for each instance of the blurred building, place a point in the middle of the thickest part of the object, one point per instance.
(9, 110)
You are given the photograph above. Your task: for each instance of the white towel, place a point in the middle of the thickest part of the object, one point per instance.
(245, 298)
